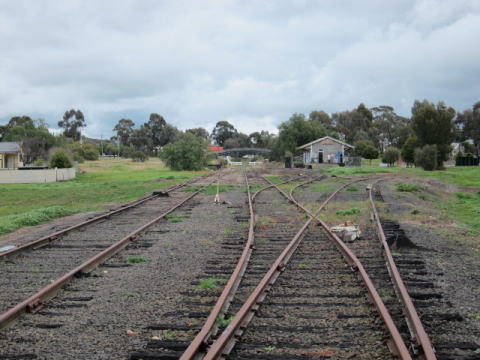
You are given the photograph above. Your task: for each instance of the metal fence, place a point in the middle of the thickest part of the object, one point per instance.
(353, 161)
(466, 161)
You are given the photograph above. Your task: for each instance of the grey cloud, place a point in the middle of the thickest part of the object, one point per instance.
(252, 62)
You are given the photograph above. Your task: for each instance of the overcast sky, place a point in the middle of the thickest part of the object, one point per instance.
(253, 63)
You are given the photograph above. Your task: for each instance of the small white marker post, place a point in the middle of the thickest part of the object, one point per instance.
(217, 197)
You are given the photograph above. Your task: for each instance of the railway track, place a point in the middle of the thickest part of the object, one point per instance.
(244, 294)
(290, 292)
(452, 339)
(314, 347)
(35, 272)
(197, 304)
(123, 208)
(302, 314)
(372, 248)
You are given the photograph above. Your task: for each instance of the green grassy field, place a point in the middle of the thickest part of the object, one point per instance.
(99, 185)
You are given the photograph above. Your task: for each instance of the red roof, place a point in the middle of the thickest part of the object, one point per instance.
(215, 148)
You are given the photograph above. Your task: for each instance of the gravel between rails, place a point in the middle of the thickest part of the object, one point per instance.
(299, 319)
(197, 303)
(317, 309)
(368, 248)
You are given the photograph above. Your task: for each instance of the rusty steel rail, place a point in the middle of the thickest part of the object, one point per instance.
(303, 184)
(273, 185)
(398, 346)
(211, 324)
(196, 349)
(54, 236)
(420, 337)
(228, 338)
(36, 301)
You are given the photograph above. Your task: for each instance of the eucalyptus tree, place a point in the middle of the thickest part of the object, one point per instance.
(124, 130)
(71, 123)
(433, 125)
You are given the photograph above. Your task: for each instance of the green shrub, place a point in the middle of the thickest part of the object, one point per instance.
(188, 152)
(139, 156)
(366, 150)
(426, 157)
(60, 160)
(408, 150)
(78, 158)
(391, 155)
(91, 154)
(126, 151)
(83, 152)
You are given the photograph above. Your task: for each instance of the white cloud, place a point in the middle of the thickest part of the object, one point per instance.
(253, 63)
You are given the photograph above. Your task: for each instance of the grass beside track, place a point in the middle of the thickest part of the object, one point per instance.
(456, 175)
(462, 209)
(462, 206)
(99, 185)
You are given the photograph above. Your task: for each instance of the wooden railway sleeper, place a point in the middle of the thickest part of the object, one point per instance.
(34, 306)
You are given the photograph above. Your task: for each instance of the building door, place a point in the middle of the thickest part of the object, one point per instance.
(10, 162)
(320, 157)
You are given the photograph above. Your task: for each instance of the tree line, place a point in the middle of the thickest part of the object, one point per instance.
(38, 144)
(424, 138)
(373, 131)
(376, 131)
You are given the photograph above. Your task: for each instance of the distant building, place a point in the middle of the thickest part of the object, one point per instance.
(325, 150)
(215, 148)
(458, 147)
(10, 155)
